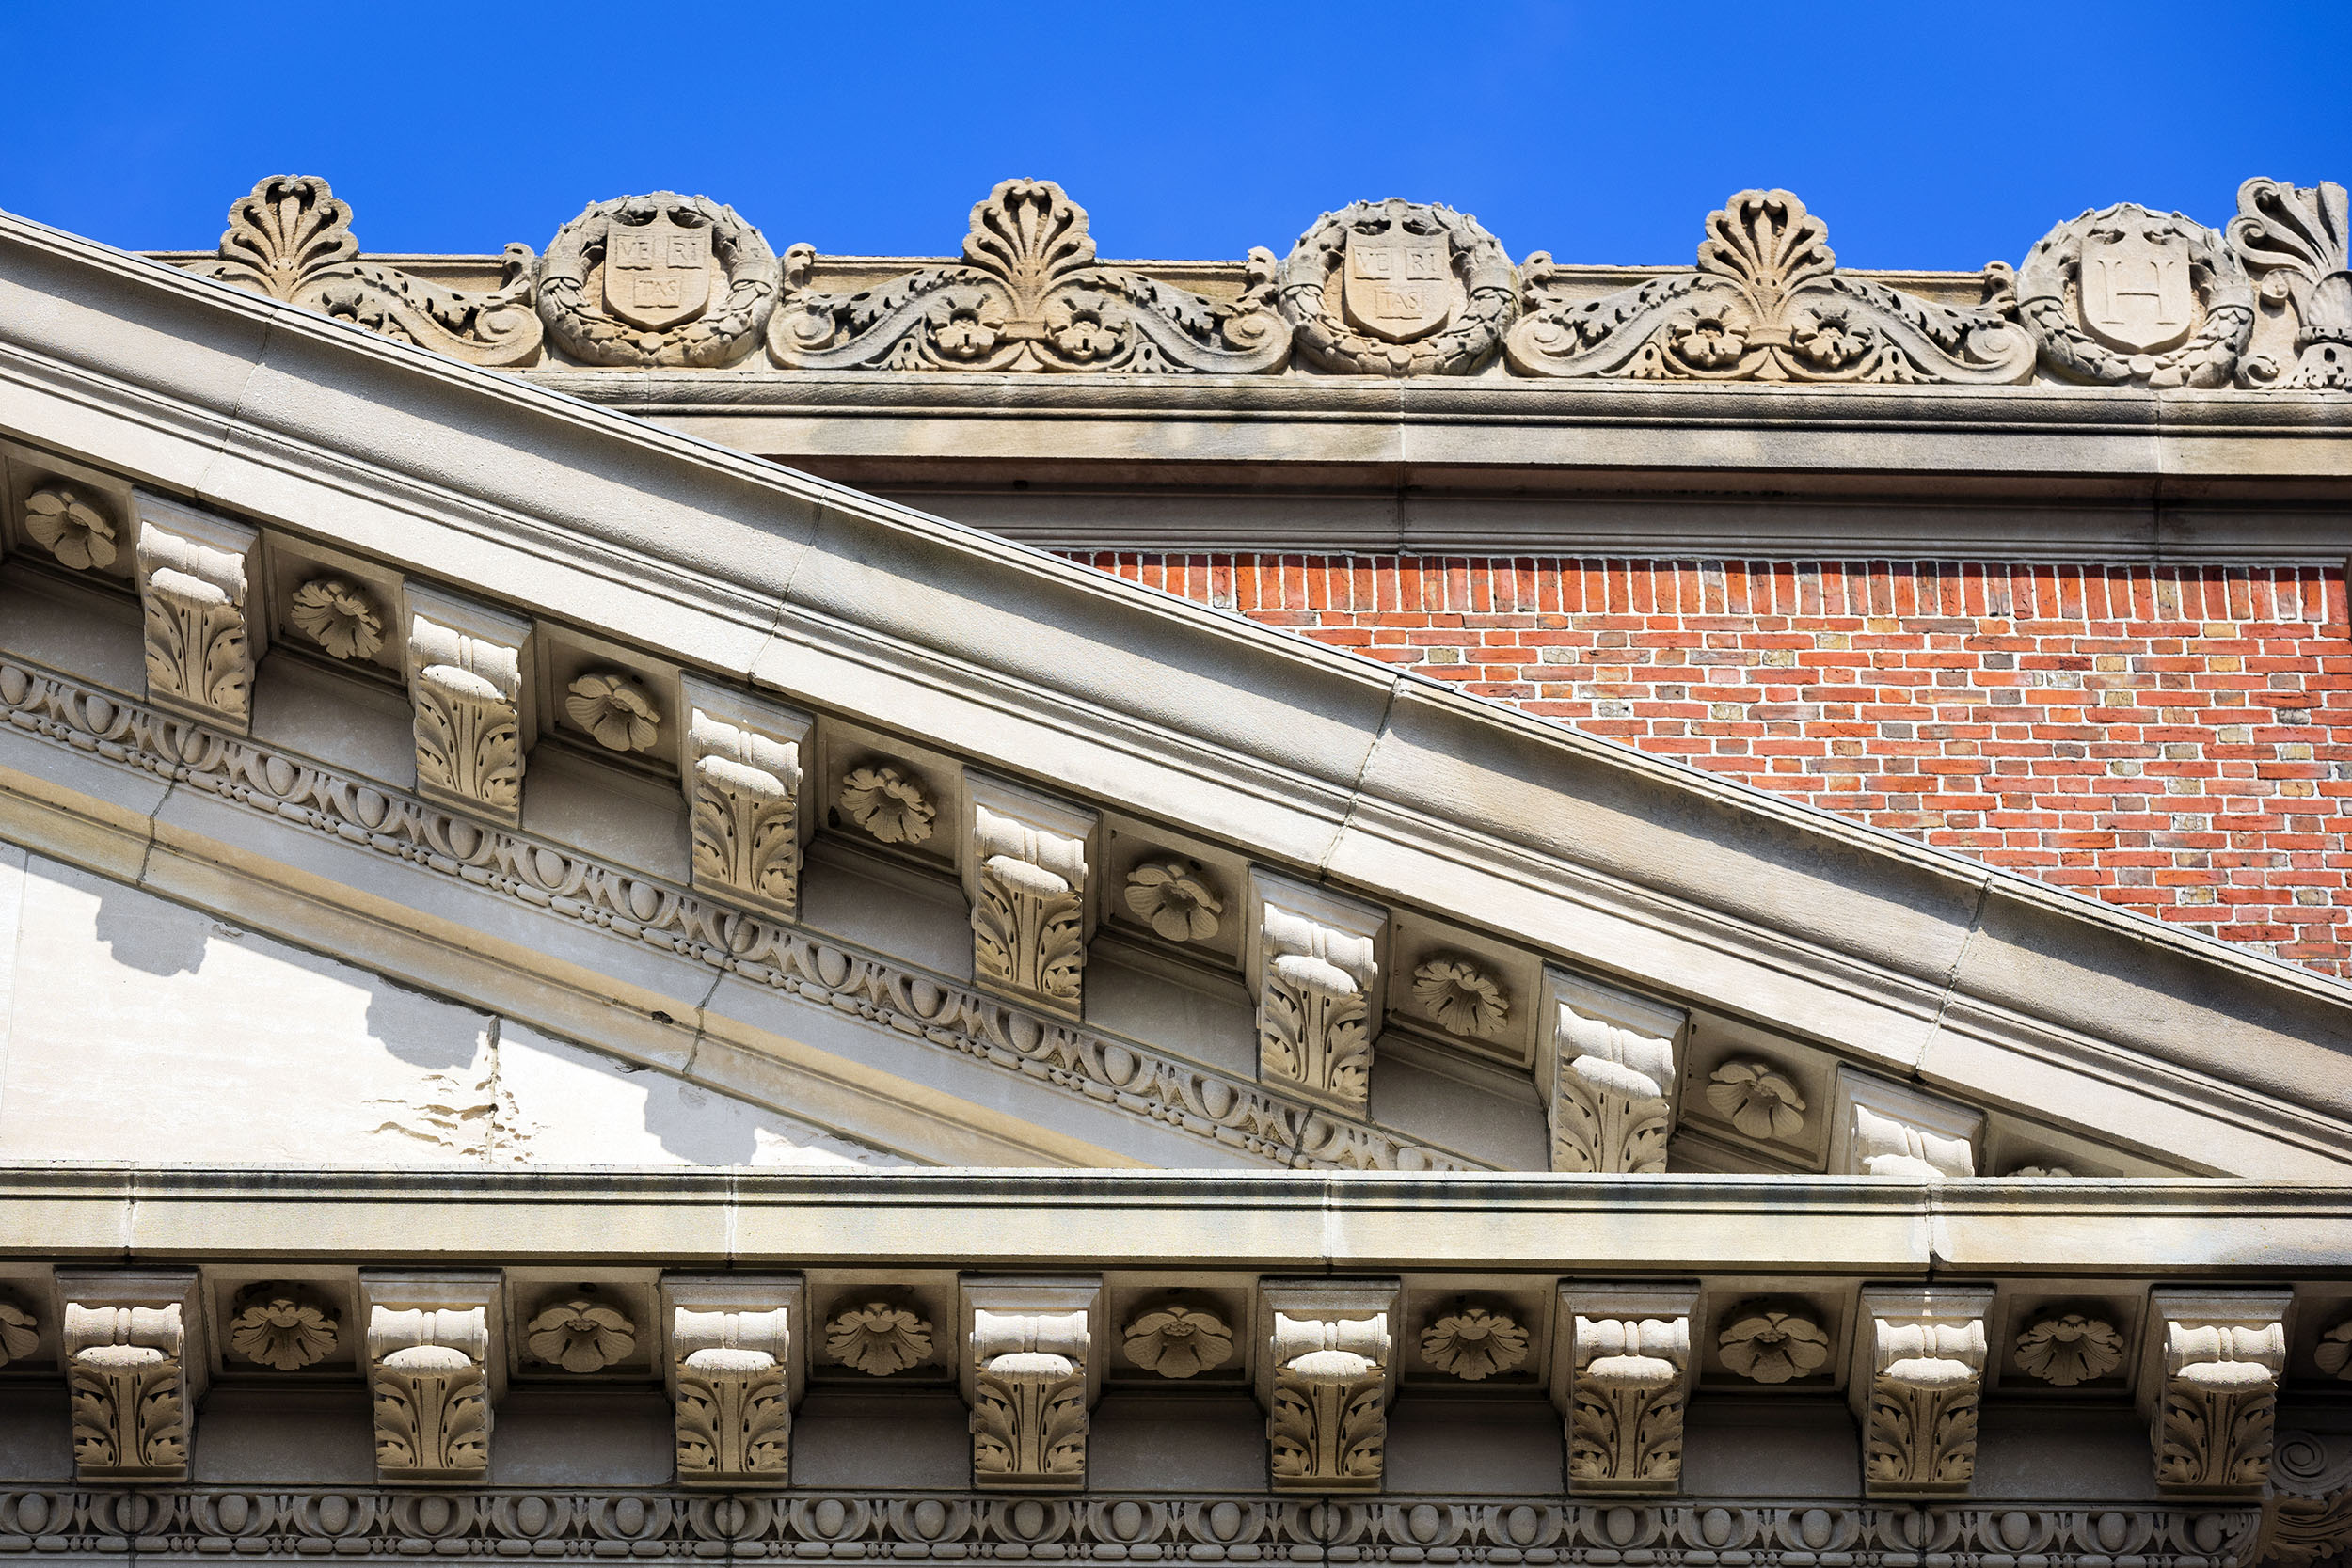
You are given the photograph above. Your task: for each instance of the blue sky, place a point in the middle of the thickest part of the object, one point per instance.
(1926, 135)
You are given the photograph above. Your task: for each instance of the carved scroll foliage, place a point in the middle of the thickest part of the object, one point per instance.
(1315, 1006)
(2127, 296)
(1627, 1396)
(1327, 1419)
(2219, 1402)
(465, 690)
(1398, 288)
(1767, 304)
(734, 1399)
(2297, 241)
(1029, 1399)
(1920, 1419)
(428, 1379)
(1609, 1110)
(1029, 909)
(289, 239)
(1029, 295)
(745, 789)
(193, 593)
(651, 259)
(127, 1382)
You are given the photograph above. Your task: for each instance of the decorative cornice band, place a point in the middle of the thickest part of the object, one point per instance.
(1123, 1073)
(372, 1522)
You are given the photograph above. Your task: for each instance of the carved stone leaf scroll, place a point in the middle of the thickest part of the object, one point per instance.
(20, 1333)
(1025, 872)
(129, 1362)
(742, 780)
(1917, 1389)
(2127, 296)
(1028, 1378)
(1398, 288)
(1029, 295)
(1612, 1077)
(289, 239)
(192, 571)
(2297, 242)
(734, 1374)
(1314, 961)
(2215, 1361)
(657, 280)
(465, 683)
(430, 1375)
(1624, 1380)
(1766, 303)
(1325, 1381)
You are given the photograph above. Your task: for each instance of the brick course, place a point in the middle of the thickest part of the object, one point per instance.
(2177, 740)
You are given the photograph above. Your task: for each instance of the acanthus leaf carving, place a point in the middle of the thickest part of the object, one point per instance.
(732, 1378)
(20, 1333)
(1027, 1375)
(1624, 1380)
(1612, 1077)
(2297, 243)
(1422, 290)
(1918, 1389)
(1767, 303)
(430, 1374)
(192, 577)
(1029, 295)
(1326, 1379)
(742, 780)
(2128, 296)
(655, 301)
(130, 1373)
(289, 239)
(2215, 1360)
(1025, 873)
(1314, 960)
(465, 683)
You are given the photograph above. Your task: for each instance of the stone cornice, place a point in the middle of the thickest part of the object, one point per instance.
(1275, 1222)
(1313, 760)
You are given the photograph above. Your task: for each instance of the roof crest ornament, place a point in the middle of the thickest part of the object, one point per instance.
(2129, 297)
(1766, 303)
(1398, 288)
(289, 239)
(657, 280)
(2297, 240)
(1029, 295)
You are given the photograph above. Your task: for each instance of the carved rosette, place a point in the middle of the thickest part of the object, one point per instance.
(1475, 1343)
(1030, 1400)
(128, 1364)
(2128, 296)
(465, 683)
(657, 280)
(1029, 295)
(1757, 1098)
(1766, 303)
(734, 1396)
(1175, 897)
(2297, 242)
(2214, 1387)
(289, 239)
(1327, 1416)
(614, 709)
(742, 780)
(284, 1328)
(1398, 288)
(878, 1336)
(1918, 1394)
(1025, 871)
(2063, 1349)
(1315, 963)
(1613, 1079)
(72, 527)
(338, 616)
(429, 1378)
(1179, 1338)
(192, 571)
(1626, 1385)
(1461, 997)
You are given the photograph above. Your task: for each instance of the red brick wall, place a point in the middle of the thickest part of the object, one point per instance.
(2177, 740)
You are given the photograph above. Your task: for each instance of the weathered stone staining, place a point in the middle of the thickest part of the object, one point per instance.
(2128, 296)
(657, 280)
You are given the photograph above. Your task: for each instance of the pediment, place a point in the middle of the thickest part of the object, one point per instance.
(906, 842)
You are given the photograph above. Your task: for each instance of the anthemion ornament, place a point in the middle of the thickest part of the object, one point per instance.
(579, 1337)
(2068, 1348)
(2128, 296)
(1473, 1343)
(878, 1337)
(1027, 295)
(1179, 1338)
(1766, 1344)
(657, 280)
(1766, 303)
(614, 709)
(2297, 242)
(887, 803)
(339, 617)
(284, 1328)
(1461, 997)
(1398, 288)
(71, 527)
(1757, 1099)
(1174, 898)
(289, 239)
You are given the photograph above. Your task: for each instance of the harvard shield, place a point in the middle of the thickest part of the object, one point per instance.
(656, 274)
(1396, 283)
(2136, 292)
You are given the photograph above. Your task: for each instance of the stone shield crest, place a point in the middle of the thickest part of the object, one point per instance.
(657, 273)
(1396, 281)
(2137, 292)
